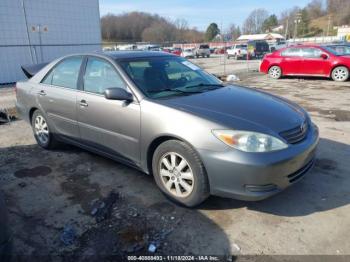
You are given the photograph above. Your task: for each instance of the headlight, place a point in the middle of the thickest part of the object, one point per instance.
(249, 141)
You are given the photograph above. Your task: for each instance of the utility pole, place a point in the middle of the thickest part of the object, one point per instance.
(224, 46)
(329, 24)
(296, 21)
(287, 28)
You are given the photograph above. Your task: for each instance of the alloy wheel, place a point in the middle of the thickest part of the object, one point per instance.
(41, 129)
(275, 72)
(176, 174)
(340, 74)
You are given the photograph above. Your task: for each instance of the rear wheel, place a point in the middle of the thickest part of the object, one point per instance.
(41, 130)
(275, 72)
(340, 74)
(179, 173)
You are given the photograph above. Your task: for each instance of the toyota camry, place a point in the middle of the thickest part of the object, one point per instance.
(169, 118)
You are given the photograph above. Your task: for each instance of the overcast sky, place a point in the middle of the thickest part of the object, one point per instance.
(200, 13)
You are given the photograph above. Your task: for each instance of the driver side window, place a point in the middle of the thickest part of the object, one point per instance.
(100, 75)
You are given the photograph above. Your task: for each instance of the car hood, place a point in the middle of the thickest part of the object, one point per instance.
(243, 108)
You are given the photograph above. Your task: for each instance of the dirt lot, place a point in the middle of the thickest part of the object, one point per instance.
(49, 193)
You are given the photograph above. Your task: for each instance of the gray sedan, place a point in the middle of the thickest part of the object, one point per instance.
(169, 118)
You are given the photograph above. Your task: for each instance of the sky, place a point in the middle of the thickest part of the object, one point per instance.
(200, 13)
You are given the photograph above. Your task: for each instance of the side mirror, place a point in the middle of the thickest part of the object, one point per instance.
(118, 94)
(324, 56)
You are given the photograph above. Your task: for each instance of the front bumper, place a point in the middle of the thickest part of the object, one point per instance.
(256, 176)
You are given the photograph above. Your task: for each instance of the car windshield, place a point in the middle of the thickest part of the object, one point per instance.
(241, 46)
(338, 50)
(160, 77)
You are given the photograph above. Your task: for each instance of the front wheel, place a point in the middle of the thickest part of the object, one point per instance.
(41, 130)
(275, 72)
(179, 173)
(340, 74)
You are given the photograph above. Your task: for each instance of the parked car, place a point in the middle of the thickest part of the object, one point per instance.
(202, 50)
(188, 53)
(167, 49)
(167, 117)
(277, 45)
(258, 48)
(219, 51)
(340, 49)
(5, 236)
(308, 60)
(237, 51)
(177, 51)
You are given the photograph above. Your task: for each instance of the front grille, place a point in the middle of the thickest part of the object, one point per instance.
(301, 172)
(295, 135)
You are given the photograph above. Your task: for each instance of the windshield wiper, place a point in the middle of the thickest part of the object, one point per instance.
(206, 85)
(173, 90)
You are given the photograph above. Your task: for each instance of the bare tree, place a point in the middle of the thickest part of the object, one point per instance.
(315, 9)
(138, 26)
(254, 22)
(233, 32)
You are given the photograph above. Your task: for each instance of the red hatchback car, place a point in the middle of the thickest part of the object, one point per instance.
(309, 60)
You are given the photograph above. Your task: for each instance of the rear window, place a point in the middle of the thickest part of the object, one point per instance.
(204, 46)
(241, 46)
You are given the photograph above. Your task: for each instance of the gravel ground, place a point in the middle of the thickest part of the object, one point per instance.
(67, 194)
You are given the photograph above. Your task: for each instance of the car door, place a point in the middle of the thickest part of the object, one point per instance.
(56, 96)
(313, 63)
(110, 126)
(291, 62)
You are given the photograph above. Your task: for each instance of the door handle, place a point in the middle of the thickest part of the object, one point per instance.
(42, 93)
(83, 103)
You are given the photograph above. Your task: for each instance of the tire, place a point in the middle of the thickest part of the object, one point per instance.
(340, 74)
(275, 72)
(179, 173)
(208, 56)
(41, 131)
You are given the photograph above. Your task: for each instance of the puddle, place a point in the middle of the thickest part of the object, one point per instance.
(81, 191)
(33, 172)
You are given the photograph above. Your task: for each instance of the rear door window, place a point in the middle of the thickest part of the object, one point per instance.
(65, 74)
(311, 53)
(294, 52)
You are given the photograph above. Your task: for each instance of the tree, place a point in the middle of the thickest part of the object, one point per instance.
(254, 22)
(340, 9)
(233, 32)
(181, 27)
(139, 26)
(159, 33)
(315, 9)
(212, 31)
(269, 23)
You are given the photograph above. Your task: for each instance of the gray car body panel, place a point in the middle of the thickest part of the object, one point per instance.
(126, 131)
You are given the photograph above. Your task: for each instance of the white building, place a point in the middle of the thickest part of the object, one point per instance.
(267, 37)
(35, 31)
(344, 32)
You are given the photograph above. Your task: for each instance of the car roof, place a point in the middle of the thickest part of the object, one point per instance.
(119, 55)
